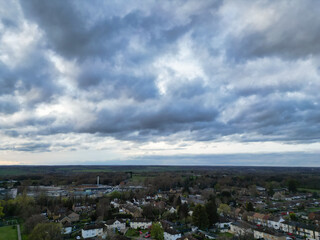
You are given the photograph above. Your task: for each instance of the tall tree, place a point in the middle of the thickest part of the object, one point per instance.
(46, 231)
(1, 211)
(200, 217)
(211, 209)
(224, 209)
(148, 212)
(177, 201)
(292, 185)
(183, 211)
(157, 231)
(249, 207)
(33, 221)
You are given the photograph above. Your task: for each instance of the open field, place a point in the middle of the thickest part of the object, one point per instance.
(313, 209)
(8, 233)
(227, 235)
(309, 190)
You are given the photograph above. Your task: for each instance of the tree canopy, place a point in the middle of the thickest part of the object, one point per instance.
(157, 231)
(200, 217)
(46, 231)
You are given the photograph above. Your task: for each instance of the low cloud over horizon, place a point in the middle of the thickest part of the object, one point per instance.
(171, 82)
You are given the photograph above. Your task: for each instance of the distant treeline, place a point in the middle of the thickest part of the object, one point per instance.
(164, 177)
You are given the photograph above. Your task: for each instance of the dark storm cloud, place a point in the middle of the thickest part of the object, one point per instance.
(8, 107)
(114, 85)
(71, 34)
(96, 46)
(286, 159)
(158, 120)
(260, 82)
(7, 80)
(37, 147)
(294, 32)
(36, 74)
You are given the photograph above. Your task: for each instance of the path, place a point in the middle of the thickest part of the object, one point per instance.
(19, 233)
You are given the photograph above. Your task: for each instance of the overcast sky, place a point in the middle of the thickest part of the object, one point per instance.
(160, 82)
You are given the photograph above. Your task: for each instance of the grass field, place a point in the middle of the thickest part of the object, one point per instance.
(135, 233)
(313, 209)
(132, 233)
(309, 190)
(225, 235)
(8, 233)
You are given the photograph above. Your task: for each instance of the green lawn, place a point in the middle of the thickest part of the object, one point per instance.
(313, 209)
(23, 236)
(132, 233)
(308, 190)
(135, 233)
(8, 233)
(226, 234)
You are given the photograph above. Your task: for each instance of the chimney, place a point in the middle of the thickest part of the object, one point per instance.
(98, 178)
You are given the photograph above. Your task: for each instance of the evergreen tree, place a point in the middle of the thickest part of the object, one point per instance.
(177, 201)
(200, 217)
(183, 211)
(211, 209)
(292, 185)
(249, 207)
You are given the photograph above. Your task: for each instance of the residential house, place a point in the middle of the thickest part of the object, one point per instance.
(265, 219)
(133, 210)
(90, 231)
(250, 217)
(311, 232)
(70, 218)
(187, 237)
(78, 207)
(172, 210)
(171, 234)
(274, 222)
(140, 223)
(74, 217)
(57, 214)
(268, 235)
(223, 225)
(258, 218)
(64, 219)
(241, 228)
(314, 216)
(238, 213)
(66, 228)
(206, 235)
(116, 224)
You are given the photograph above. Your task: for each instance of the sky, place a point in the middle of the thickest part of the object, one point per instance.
(212, 82)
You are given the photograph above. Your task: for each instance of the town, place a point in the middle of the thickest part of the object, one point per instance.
(193, 203)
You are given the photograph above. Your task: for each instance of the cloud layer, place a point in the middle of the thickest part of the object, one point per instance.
(75, 73)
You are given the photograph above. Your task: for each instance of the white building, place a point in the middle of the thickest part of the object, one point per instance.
(91, 231)
(116, 224)
(240, 228)
(259, 234)
(171, 234)
(66, 228)
(140, 223)
(172, 210)
(311, 232)
(274, 222)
